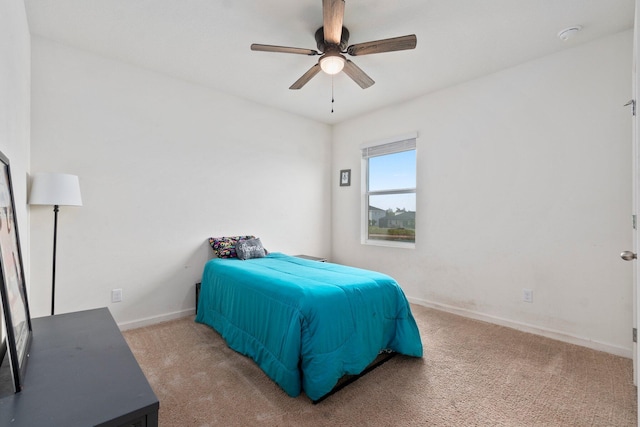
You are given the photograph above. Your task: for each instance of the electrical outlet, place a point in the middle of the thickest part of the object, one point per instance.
(527, 295)
(116, 295)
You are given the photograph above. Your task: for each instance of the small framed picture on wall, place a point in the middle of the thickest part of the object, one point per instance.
(345, 177)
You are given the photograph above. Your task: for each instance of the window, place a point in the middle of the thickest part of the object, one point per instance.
(389, 201)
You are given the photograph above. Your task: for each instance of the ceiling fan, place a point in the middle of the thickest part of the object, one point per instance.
(332, 39)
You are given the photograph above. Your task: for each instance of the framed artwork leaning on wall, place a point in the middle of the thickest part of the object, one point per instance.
(16, 320)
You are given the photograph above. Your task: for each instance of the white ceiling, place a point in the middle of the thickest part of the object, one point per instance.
(206, 42)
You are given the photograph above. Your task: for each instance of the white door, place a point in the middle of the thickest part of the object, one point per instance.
(631, 255)
(636, 191)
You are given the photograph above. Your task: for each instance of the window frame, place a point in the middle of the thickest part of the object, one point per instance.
(365, 193)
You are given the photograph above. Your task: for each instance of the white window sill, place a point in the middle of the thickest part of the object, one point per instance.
(389, 244)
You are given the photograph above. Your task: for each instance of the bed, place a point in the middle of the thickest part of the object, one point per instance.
(306, 323)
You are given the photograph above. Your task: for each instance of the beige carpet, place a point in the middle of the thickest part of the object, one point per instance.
(473, 374)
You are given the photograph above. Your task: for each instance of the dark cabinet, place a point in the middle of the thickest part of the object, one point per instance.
(81, 372)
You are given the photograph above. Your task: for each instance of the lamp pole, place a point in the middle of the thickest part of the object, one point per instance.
(53, 279)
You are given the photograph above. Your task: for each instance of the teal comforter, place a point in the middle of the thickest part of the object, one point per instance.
(306, 323)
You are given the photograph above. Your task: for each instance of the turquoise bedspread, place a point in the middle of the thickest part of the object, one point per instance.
(306, 323)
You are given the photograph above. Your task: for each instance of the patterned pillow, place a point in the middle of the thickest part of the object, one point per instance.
(225, 247)
(250, 248)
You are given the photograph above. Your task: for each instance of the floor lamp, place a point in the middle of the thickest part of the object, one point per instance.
(57, 189)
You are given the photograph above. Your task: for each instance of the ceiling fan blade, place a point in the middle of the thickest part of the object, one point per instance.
(283, 49)
(358, 76)
(386, 45)
(332, 17)
(306, 77)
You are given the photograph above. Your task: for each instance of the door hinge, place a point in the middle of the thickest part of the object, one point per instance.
(635, 221)
(633, 106)
(635, 335)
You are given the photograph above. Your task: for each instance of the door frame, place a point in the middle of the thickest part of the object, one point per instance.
(635, 85)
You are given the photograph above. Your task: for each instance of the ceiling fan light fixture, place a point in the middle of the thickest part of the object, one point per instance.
(332, 64)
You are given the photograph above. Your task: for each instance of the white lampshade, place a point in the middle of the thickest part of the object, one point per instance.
(55, 189)
(332, 64)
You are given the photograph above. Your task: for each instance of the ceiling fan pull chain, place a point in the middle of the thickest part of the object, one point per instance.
(332, 100)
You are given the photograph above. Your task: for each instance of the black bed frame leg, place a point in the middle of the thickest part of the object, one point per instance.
(197, 295)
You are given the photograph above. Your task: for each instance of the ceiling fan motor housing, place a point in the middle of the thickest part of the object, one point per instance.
(322, 46)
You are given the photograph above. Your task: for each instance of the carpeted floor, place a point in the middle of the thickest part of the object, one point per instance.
(473, 374)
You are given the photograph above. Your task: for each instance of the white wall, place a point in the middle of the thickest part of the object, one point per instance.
(15, 72)
(163, 165)
(524, 181)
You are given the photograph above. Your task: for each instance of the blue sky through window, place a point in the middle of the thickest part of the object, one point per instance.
(393, 172)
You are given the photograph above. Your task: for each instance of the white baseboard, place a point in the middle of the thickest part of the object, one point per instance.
(549, 333)
(520, 326)
(156, 319)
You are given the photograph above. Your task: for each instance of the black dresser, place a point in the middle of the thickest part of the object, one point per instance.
(80, 372)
